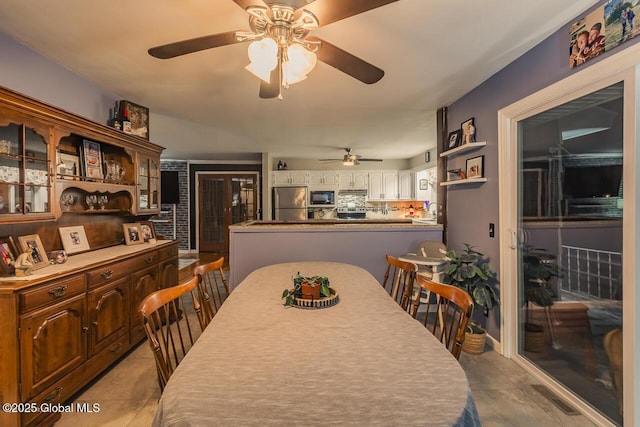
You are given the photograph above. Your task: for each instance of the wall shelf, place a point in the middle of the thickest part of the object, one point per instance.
(463, 148)
(464, 181)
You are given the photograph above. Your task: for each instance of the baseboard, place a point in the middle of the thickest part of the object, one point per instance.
(494, 344)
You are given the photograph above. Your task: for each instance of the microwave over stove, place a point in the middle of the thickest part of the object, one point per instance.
(322, 198)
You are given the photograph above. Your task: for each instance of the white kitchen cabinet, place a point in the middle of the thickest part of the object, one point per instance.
(323, 178)
(383, 185)
(405, 185)
(294, 177)
(350, 180)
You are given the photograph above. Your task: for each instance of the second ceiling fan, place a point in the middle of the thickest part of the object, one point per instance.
(350, 159)
(282, 51)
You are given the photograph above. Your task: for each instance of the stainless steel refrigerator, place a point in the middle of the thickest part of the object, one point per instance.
(290, 203)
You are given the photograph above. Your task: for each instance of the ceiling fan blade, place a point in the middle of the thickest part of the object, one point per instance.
(184, 47)
(271, 89)
(328, 11)
(347, 63)
(369, 160)
(244, 4)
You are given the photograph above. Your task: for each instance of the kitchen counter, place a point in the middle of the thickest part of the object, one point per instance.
(365, 243)
(355, 223)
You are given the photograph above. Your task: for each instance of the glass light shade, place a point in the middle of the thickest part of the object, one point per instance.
(264, 58)
(300, 62)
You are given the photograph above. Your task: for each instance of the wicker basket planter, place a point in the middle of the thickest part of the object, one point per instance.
(474, 343)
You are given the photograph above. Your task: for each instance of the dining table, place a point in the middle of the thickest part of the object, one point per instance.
(362, 361)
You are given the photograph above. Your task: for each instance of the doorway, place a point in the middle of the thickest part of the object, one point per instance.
(223, 199)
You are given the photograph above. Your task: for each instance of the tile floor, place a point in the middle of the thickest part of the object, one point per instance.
(128, 394)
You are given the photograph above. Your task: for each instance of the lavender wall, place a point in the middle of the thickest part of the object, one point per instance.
(471, 209)
(31, 74)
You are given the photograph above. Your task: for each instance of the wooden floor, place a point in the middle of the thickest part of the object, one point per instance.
(202, 258)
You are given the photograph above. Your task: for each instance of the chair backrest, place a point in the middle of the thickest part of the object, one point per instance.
(402, 275)
(172, 324)
(447, 312)
(212, 288)
(431, 249)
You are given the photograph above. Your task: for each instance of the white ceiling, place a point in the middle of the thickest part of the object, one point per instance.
(432, 52)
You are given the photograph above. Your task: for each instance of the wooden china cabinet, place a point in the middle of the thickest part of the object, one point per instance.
(66, 323)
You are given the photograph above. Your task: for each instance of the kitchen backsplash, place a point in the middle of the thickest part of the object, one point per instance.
(380, 210)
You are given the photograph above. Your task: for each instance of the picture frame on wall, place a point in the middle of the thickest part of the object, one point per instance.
(74, 239)
(133, 233)
(38, 255)
(475, 167)
(453, 140)
(8, 254)
(92, 159)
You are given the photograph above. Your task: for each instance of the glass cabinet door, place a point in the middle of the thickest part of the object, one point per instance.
(148, 183)
(24, 171)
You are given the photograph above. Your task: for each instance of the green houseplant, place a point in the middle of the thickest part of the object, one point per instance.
(468, 270)
(312, 287)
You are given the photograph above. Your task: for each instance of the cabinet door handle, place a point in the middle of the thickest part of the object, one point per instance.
(53, 395)
(106, 275)
(116, 348)
(58, 292)
(148, 260)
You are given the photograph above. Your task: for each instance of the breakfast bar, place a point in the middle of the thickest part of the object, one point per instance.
(359, 242)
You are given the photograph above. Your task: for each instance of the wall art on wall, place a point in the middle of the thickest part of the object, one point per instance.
(620, 22)
(587, 38)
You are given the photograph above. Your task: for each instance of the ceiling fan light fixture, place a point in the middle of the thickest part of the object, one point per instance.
(263, 54)
(300, 61)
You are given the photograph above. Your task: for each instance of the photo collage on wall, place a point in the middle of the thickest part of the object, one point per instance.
(602, 30)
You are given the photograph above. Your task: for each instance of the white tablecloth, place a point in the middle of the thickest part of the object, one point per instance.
(362, 362)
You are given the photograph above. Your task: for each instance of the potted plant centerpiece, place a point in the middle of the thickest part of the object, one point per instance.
(312, 288)
(539, 267)
(468, 270)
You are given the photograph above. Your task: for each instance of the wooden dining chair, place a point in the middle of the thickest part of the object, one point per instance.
(212, 288)
(447, 312)
(171, 319)
(400, 277)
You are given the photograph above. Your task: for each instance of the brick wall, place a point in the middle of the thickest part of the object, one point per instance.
(182, 208)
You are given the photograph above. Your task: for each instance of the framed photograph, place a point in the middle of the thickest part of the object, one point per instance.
(475, 167)
(453, 140)
(92, 159)
(74, 239)
(424, 184)
(148, 231)
(67, 165)
(133, 233)
(33, 244)
(8, 254)
(138, 116)
(468, 131)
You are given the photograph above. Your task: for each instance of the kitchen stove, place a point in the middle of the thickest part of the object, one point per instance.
(352, 213)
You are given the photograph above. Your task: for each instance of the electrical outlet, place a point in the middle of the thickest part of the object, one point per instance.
(492, 230)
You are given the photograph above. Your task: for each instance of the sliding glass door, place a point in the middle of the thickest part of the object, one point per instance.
(570, 244)
(568, 239)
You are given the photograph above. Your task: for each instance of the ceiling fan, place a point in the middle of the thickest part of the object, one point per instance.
(351, 159)
(282, 52)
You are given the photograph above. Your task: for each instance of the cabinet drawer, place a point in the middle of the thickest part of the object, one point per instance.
(51, 293)
(103, 275)
(167, 252)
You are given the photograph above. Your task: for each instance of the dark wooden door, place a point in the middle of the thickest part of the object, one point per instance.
(224, 199)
